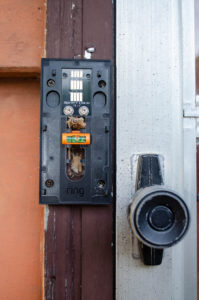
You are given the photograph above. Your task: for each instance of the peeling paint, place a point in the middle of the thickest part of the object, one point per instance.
(88, 52)
(46, 215)
(77, 56)
(45, 30)
(87, 55)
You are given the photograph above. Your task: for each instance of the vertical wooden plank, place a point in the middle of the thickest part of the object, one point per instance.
(98, 28)
(97, 260)
(97, 222)
(78, 245)
(63, 253)
(64, 29)
(63, 233)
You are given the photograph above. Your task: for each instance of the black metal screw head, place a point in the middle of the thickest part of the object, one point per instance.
(50, 82)
(49, 183)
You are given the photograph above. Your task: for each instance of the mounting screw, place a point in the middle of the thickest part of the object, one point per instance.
(90, 50)
(49, 183)
(102, 83)
(101, 184)
(50, 82)
(83, 111)
(68, 110)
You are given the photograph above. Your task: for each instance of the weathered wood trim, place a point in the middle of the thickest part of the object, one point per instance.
(79, 259)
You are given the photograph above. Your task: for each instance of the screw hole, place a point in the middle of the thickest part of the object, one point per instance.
(99, 74)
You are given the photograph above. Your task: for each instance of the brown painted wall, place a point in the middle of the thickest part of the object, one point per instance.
(21, 218)
(22, 34)
(22, 38)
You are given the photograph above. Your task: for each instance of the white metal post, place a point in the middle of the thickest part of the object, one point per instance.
(155, 89)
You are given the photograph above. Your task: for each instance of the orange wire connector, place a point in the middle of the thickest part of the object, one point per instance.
(76, 138)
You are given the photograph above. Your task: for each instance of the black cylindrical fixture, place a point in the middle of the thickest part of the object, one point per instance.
(159, 217)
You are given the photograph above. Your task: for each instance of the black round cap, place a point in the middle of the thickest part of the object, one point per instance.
(161, 218)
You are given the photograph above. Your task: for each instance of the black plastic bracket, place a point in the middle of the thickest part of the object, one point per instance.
(77, 92)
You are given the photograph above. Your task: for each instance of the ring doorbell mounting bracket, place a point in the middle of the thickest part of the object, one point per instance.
(76, 132)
